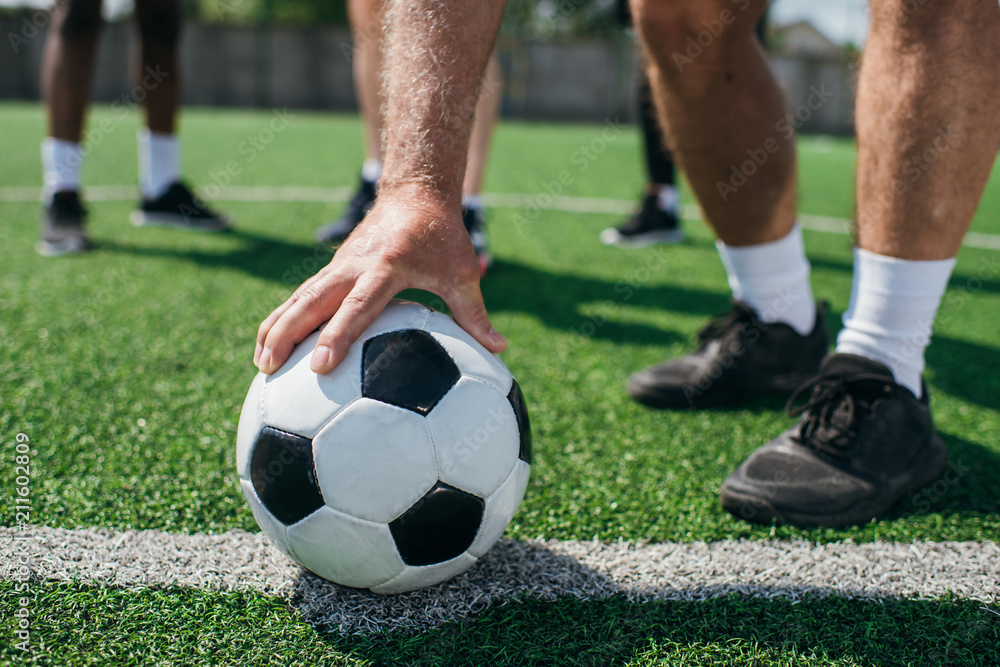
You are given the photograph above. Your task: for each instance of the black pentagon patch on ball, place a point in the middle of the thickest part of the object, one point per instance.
(284, 475)
(407, 368)
(523, 427)
(439, 526)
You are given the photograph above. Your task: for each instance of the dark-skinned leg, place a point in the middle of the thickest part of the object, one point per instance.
(67, 76)
(166, 200)
(156, 76)
(68, 66)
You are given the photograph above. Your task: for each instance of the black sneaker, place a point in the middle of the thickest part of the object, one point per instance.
(649, 226)
(738, 357)
(178, 207)
(475, 224)
(357, 208)
(863, 443)
(63, 226)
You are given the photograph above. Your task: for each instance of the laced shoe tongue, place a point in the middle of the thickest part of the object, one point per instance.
(830, 425)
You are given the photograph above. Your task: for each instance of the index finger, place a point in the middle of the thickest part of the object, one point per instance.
(298, 317)
(357, 311)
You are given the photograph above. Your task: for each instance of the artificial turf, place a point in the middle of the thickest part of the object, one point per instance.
(127, 369)
(81, 625)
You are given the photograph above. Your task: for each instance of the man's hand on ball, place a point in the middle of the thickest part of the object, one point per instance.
(409, 240)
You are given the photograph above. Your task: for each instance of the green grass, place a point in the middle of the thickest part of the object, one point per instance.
(77, 625)
(127, 369)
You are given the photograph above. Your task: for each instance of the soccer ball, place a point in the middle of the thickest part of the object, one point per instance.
(398, 469)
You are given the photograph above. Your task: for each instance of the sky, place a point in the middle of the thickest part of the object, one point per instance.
(840, 20)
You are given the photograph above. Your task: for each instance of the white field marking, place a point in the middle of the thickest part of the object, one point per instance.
(540, 202)
(538, 570)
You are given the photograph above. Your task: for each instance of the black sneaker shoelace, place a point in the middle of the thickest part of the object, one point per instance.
(836, 406)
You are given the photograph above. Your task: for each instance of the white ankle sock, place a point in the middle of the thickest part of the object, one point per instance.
(669, 198)
(893, 305)
(159, 162)
(773, 279)
(61, 162)
(371, 170)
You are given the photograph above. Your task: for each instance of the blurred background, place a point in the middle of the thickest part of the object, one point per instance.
(563, 60)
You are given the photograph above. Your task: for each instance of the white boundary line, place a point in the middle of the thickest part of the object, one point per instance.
(239, 560)
(586, 205)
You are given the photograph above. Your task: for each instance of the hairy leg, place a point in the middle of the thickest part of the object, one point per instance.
(366, 25)
(487, 112)
(722, 109)
(414, 236)
(68, 65)
(928, 125)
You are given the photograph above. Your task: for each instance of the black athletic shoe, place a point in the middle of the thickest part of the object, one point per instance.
(863, 443)
(178, 207)
(649, 226)
(738, 357)
(63, 226)
(475, 224)
(357, 208)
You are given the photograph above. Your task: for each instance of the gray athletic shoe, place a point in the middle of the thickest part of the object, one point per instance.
(63, 226)
(863, 443)
(178, 207)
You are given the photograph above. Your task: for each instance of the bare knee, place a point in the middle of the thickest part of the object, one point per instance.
(78, 19)
(159, 21)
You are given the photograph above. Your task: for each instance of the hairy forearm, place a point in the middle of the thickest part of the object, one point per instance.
(436, 51)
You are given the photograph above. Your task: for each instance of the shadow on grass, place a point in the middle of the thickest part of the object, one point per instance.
(559, 300)
(556, 299)
(726, 630)
(965, 370)
(553, 298)
(267, 257)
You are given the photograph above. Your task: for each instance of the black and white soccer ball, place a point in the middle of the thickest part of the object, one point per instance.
(397, 470)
